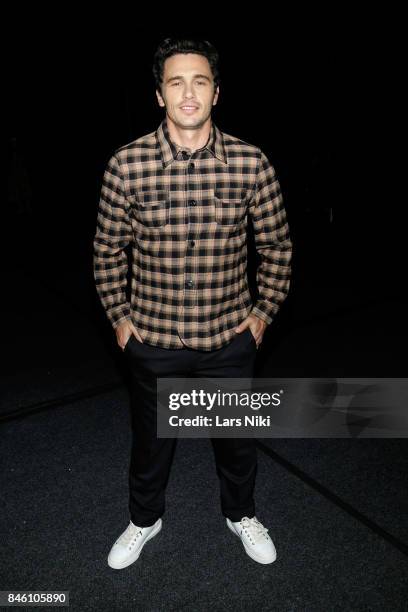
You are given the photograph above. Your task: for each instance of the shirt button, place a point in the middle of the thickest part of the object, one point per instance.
(193, 202)
(191, 166)
(184, 154)
(192, 243)
(189, 284)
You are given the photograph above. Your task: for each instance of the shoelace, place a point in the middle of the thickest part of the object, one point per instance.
(131, 532)
(254, 528)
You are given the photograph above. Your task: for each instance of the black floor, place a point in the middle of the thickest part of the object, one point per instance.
(335, 508)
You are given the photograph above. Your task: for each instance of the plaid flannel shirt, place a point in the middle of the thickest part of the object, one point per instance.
(185, 215)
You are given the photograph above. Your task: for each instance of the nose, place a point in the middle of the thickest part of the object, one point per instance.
(188, 90)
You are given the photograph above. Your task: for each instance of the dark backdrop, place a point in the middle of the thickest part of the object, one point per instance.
(309, 98)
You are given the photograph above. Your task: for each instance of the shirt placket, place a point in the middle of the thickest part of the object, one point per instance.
(190, 277)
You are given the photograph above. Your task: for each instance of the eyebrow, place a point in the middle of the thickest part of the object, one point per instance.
(196, 76)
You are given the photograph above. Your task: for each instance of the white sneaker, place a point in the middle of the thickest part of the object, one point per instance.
(254, 536)
(128, 546)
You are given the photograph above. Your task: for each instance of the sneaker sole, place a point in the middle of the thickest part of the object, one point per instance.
(134, 556)
(248, 551)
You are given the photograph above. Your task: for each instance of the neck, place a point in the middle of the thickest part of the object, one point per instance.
(189, 138)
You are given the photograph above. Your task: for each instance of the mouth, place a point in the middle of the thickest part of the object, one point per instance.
(189, 109)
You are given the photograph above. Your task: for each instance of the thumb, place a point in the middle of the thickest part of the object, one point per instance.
(240, 328)
(132, 327)
(135, 332)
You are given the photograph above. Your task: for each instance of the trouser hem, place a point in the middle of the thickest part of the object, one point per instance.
(236, 517)
(140, 522)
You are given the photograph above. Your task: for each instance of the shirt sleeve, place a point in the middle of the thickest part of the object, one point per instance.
(272, 240)
(113, 234)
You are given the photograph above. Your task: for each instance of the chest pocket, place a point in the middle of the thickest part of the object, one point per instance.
(230, 206)
(152, 208)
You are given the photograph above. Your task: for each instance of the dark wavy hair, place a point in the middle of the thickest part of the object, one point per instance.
(171, 46)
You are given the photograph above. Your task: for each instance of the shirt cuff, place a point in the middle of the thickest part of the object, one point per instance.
(262, 311)
(119, 314)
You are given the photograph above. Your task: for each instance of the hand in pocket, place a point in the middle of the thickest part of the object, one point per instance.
(124, 331)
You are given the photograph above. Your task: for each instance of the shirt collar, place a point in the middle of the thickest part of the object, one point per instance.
(169, 149)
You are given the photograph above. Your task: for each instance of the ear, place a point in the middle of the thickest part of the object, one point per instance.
(159, 98)
(217, 93)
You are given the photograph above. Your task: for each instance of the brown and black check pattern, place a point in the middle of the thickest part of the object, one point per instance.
(185, 215)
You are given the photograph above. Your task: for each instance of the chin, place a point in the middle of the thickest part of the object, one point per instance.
(193, 123)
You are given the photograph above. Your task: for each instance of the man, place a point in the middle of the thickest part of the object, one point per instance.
(180, 196)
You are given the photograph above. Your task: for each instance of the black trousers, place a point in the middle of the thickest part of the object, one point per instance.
(151, 457)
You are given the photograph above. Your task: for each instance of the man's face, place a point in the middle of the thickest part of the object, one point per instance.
(188, 90)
